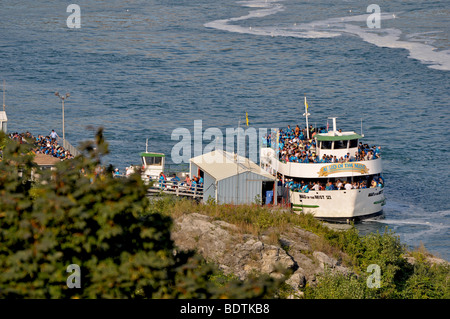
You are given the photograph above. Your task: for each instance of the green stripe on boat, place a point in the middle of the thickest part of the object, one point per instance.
(382, 202)
(306, 206)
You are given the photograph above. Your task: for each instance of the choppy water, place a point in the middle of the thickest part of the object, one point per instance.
(143, 68)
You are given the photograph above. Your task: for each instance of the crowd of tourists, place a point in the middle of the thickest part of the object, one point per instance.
(43, 144)
(329, 185)
(194, 183)
(295, 147)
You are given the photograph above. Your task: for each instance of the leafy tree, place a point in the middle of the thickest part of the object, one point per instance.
(80, 214)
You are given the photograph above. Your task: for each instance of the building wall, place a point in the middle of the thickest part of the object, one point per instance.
(209, 188)
(240, 189)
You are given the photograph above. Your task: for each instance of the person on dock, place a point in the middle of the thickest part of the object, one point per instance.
(162, 180)
(175, 180)
(188, 180)
(53, 136)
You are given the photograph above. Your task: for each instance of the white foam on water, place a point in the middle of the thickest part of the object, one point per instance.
(418, 49)
(420, 223)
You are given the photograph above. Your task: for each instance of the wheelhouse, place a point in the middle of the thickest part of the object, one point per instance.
(152, 163)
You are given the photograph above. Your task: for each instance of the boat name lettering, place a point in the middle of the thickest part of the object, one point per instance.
(343, 167)
(375, 194)
(314, 196)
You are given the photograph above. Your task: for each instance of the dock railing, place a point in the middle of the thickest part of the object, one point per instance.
(69, 147)
(176, 188)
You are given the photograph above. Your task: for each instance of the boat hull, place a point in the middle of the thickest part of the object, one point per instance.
(340, 205)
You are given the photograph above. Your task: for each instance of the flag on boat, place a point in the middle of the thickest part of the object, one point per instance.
(306, 104)
(246, 118)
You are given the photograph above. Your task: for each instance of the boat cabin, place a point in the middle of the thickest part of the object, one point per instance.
(337, 143)
(152, 163)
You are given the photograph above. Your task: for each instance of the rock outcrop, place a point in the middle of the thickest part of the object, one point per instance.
(242, 254)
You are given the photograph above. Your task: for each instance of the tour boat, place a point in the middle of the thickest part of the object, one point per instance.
(342, 205)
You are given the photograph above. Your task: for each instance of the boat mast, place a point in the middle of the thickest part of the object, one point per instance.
(306, 115)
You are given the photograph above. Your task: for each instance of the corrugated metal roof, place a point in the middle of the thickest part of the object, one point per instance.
(221, 164)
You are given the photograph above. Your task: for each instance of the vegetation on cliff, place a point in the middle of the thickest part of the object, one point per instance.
(122, 241)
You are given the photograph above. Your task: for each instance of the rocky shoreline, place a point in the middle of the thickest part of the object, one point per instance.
(242, 254)
(239, 253)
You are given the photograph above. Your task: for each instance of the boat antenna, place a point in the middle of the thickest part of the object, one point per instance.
(306, 115)
(146, 145)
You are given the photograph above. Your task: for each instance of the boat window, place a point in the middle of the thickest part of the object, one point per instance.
(153, 160)
(340, 145)
(353, 143)
(326, 145)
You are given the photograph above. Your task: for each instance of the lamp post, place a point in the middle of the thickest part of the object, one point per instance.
(63, 98)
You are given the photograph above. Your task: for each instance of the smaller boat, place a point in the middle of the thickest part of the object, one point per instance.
(153, 164)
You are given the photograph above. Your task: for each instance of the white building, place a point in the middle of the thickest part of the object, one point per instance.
(230, 178)
(3, 121)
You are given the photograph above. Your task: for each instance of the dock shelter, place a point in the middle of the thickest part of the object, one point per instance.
(231, 179)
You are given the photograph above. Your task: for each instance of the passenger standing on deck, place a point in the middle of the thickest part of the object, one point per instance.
(316, 186)
(373, 184)
(330, 186)
(53, 135)
(380, 182)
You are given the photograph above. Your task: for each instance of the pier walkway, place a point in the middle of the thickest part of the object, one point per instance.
(175, 188)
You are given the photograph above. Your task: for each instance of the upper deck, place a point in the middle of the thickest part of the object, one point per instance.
(327, 154)
(318, 170)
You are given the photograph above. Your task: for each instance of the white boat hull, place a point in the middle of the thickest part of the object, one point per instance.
(340, 205)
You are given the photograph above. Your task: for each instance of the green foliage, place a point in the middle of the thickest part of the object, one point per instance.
(339, 286)
(257, 200)
(399, 279)
(3, 141)
(428, 282)
(107, 226)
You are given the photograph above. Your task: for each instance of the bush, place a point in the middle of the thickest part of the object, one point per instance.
(106, 225)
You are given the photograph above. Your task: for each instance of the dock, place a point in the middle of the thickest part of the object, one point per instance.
(179, 189)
